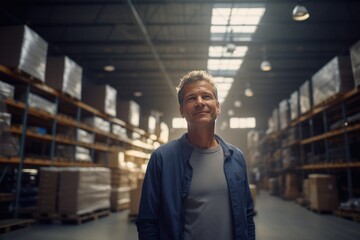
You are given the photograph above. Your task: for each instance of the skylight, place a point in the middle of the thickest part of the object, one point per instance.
(230, 23)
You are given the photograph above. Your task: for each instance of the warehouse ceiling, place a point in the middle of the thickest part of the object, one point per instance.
(152, 43)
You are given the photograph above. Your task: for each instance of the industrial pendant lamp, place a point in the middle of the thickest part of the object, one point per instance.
(248, 91)
(230, 46)
(300, 13)
(265, 64)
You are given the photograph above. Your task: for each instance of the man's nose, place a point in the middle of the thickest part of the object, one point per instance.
(199, 100)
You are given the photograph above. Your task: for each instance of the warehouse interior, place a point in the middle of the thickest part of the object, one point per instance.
(88, 89)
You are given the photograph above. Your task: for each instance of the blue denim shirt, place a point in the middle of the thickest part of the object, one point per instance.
(167, 183)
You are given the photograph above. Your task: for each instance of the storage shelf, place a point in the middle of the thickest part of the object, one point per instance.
(323, 166)
(331, 134)
(47, 162)
(324, 106)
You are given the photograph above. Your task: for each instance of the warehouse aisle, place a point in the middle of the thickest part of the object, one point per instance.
(276, 220)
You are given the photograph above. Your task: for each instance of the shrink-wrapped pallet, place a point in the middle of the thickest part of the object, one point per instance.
(84, 190)
(323, 192)
(6, 90)
(65, 75)
(355, 62)
(101, 97)
(332, 79)
(98, 123)
(23, 49)
(305, 97)
(294, 105)
(129, 111)
(284, 114)
(48, 190)
(41, 103)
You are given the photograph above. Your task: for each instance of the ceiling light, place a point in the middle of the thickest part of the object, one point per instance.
(109, 68)
(248, 91)
(138, 94)
(231, 112)
(300, 13)
(265, 65)
(237, 103)
(230, 46)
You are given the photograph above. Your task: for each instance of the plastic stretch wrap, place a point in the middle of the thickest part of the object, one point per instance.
(129, 111)
(305, 97)
(40, 103)
(23, 49)
(355, 62)
(6, 90)
(118, 130)
(284, 113)
(335, 77)
(101, 97)
(84, 136)
(294, 105)
(98, 123)
(64, 74)
(84, 190)
(82, 154)
(110, 100)
(275, 116)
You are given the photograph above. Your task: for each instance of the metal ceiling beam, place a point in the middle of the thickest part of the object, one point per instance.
(193, 42)
(152, 48)
(149, 2)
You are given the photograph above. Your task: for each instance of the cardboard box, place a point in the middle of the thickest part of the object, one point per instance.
(305, 97)
(323, 192)
(334, 78)
(101, 97)
(84, 190)
(21, 48)
(48, 189)
(355, 62)
(65, 75)
(294, 105)
(129, 111)
(135, 195)
(284, 114)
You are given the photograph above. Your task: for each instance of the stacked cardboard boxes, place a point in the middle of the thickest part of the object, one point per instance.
(323, 192)
(65, 75)
(23, 49)
(333, 78)
(48, 190)
(84, 190)
(101, 97)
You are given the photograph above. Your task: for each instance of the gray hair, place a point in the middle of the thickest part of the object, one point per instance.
(193, 76)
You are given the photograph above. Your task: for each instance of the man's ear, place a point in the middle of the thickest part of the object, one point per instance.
(218, 110)
(181, 110)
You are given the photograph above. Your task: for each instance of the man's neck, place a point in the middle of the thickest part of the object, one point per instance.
(202, 138)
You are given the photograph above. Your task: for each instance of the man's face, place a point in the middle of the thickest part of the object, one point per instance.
(199, 104)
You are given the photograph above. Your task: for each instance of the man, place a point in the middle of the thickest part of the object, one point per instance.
(196, 187)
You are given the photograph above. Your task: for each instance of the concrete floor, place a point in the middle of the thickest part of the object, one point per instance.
(276, 220)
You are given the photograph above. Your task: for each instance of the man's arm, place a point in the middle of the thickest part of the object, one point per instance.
(147, 221)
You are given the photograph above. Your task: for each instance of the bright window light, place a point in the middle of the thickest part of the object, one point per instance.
(220, 51)
(224, 64)
(219, 80)
(241, 22)
(243, 29)
(249, 122)
(179, 123)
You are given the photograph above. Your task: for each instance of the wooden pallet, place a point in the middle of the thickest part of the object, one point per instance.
(9, 225)
(47, 217)
(348, 214)
(82, 218)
